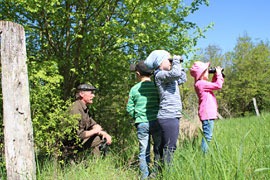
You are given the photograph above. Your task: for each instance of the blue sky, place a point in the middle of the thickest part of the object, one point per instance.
(232, 19)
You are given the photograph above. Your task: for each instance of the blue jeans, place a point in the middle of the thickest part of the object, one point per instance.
(144, 133)
(207, 126)
(170, 132)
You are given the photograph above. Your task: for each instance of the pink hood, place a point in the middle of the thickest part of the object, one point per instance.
(198, 68)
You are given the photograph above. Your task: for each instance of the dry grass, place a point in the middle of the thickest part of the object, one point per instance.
(189, 130)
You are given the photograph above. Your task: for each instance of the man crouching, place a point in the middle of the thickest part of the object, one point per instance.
(91, 133)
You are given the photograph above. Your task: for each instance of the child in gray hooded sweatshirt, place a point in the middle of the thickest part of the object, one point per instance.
(168, 75)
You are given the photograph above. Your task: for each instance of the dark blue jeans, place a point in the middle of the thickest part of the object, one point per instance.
(170, 132)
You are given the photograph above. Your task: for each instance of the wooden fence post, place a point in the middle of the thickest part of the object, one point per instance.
(18, 130)
(255, 106)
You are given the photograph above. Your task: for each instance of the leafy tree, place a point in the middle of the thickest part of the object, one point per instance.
(248, 76)
(213, 54)
(69, 42)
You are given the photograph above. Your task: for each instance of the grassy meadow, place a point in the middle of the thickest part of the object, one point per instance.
(240, 150)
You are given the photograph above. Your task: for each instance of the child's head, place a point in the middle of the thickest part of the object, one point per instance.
(199, 70)
(158, 59)
(141, 69)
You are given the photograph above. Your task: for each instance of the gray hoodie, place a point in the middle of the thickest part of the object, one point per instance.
(167, 83)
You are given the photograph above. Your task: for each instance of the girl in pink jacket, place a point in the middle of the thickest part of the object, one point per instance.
(207, 101)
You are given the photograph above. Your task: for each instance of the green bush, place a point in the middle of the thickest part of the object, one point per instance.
(51, 122)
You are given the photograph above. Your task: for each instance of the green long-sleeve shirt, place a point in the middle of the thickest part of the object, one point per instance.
(143, 102)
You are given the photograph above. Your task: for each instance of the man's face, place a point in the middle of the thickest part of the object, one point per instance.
(87, 96)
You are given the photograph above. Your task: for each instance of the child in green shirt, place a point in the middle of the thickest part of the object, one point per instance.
(143, 106)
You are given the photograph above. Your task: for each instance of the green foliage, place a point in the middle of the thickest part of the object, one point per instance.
(247, 77)
(214, 55)
(52, 124)
(82, 35)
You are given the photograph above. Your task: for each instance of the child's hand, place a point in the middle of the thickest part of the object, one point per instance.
(218, 69)
(177, 58)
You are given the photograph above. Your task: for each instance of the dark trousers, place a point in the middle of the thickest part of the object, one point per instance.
(93, 143)
(170, 132)
(71, 147)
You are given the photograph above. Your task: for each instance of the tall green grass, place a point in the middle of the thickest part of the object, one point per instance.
(89, 168)
(240, 149)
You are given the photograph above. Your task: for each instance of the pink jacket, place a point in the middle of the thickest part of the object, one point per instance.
(207, 101)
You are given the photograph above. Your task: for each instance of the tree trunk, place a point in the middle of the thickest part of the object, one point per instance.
(18, 130)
